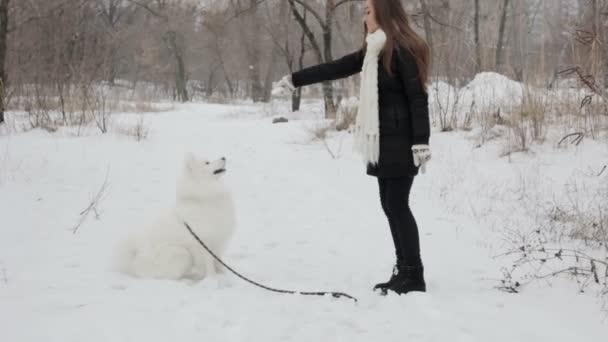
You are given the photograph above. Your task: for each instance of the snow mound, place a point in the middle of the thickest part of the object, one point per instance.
(491, 82)
(490, 91)
(486, 94)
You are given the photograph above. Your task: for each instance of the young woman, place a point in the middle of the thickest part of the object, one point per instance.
(392, 128)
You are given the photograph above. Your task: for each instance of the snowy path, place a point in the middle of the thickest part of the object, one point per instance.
(306, 222)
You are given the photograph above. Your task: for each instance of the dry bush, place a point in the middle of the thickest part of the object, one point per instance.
(347, 114)
(534, 109)
(518, 137)
(595, 117)
(217, 98)
(138, 107)
(319, 131)
(40, 117)
(527, 121)
(96, 105)
(77, 106)
(491, 126)
(557, 232)
(137, 130)
(583, 213)
(48, 108)
(540, 242)
(447, 100)
(535, 258)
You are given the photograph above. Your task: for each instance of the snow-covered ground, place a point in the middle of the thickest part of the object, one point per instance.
(305, 221)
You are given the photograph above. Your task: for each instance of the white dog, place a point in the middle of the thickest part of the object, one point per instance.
(166, 249)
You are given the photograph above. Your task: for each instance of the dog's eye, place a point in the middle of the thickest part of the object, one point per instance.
(207, 163)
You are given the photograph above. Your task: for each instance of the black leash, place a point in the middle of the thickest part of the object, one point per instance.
(302, 293)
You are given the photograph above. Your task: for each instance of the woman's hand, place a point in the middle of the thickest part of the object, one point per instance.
(422, 154)
(283, 87)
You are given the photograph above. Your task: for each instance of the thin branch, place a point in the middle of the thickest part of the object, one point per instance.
(331, 153)
(150, 10)
(342, 2)
(243, 11)
(48, 14)
(439, 22)
(579, 137)
(92, 207)
(307, 32)
(311, 10)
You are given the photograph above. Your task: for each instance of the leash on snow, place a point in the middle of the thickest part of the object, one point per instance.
(301, 293)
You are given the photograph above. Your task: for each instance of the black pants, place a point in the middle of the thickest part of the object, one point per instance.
(394, 197)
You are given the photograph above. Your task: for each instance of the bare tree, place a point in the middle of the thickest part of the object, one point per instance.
(253, 52)
(173, 41)
(476, 28)
(500, 45)
(112, 12)
(428, 29)
(215, 26)
(270, 73)
(326, 23)
(3, 38)
(59, 50)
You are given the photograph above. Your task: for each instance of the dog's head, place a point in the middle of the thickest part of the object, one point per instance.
(200, 178)
(203, 168)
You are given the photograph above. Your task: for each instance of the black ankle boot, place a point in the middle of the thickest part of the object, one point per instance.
(383, 287)
(409, 279)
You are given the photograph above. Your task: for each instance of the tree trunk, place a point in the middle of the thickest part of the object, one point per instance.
(426, 21)
(270, 74)
(599, 44)
(519, 23)
(328, 89)
(112, 14)
(478, 66)
(330, 107)
(500, 58)
(220, 58)
(257, 92)
(604, 43)
(605, 59)
(604, 30)
(565, 43)
(296, 98)
(180, 67)
(3, 37)
(112, 68)
(210, 83)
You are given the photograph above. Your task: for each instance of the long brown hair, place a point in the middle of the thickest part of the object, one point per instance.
(395, 22)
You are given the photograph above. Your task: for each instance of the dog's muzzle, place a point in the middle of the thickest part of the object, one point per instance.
(219, 171)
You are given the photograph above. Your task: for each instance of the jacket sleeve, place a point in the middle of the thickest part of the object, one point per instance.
(417, 96)
(342, 67)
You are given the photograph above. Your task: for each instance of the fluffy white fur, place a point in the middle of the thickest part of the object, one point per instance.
(165, 249)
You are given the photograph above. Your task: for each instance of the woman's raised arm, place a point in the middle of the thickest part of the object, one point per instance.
(342, 67)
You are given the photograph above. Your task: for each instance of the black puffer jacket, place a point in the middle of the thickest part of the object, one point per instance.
(403, 106)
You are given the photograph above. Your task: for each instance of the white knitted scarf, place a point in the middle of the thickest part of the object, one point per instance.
(367, 126)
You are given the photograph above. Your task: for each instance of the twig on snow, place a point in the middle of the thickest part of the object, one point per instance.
(92, 207)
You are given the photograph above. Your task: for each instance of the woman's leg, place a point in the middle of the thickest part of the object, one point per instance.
(383, 187)
(410, 275)
(403, 223)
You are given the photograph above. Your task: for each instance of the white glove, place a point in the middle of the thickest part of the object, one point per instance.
(283, 87)
(422, 154)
